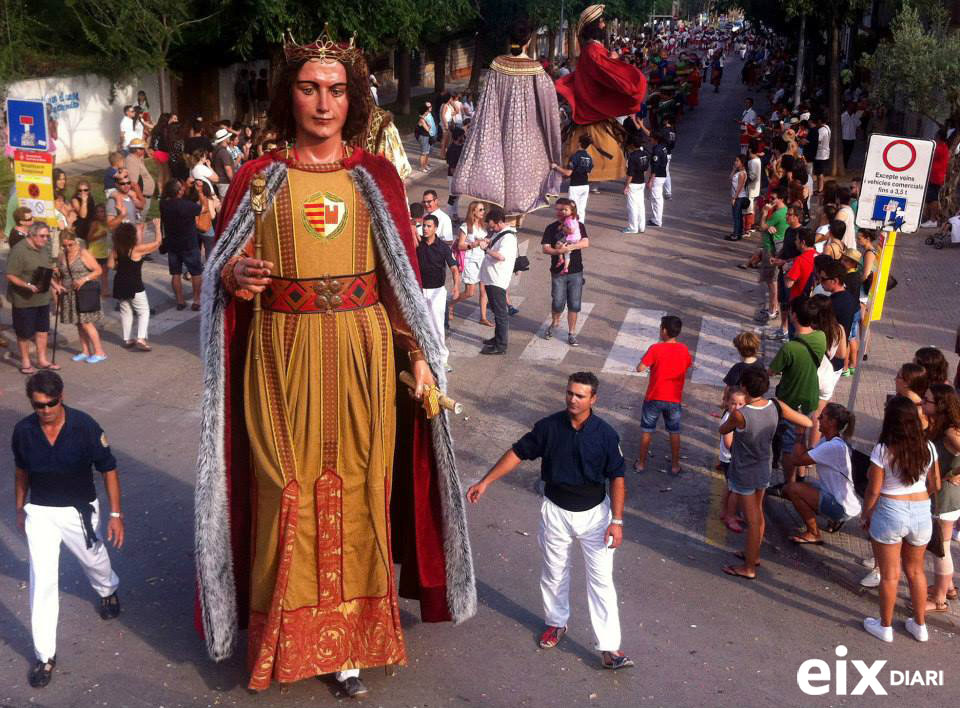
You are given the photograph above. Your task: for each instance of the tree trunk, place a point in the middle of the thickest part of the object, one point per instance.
(439, 52)
(801, 59)
(552, 46)
(403, 81)
(476, 66)
(573, 51)
(836, 145)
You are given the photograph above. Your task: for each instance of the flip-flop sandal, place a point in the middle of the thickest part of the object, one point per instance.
(487, 323)
(638, 468)
(50, 367)
(743, 556)
(730, 570)
(733, 526)
(801, 541)
(195, 307)
(27, 371)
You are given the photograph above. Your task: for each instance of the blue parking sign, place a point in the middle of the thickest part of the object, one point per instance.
(28, 124)
(887, 209)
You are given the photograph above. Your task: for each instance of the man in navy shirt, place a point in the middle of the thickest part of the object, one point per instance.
(55, 450)
(579, 453)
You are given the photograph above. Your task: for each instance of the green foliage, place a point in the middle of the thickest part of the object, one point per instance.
(917, 67)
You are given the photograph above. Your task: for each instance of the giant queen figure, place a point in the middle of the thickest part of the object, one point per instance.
(600, 90)
(316, 469)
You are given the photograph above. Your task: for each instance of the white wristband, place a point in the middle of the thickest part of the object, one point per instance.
(118, 515)
(617, 522)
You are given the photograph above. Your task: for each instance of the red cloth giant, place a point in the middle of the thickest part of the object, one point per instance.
(602, 87)
(416, 521)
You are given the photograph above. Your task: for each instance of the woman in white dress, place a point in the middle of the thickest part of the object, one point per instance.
(472, 234)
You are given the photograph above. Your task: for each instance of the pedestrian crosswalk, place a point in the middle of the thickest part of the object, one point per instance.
(466, 334)
(640, 329)
(554, 350)
(715, 351)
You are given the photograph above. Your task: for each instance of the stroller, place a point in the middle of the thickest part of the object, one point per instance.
(949, 234)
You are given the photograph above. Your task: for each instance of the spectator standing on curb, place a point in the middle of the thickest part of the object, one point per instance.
(55, 450)
(798, 362)
(77, 267)
(29, 292)
(938, 175)
(470, 241)
(942, 407)
(738, 197)
(638, 162)
(754, 175)
(658, 176)
(423, 135)
(849, 122)
(821, 161)
(903, 475)
(668, 361)
(454, 150)
(566, 287)
(131, 127)
(435, 257)
(578, 169)
(576, 506)
(124, 205)
(223, 163)
(669, 142)
(751, 460)
(22, 221)
(431, 202)
(140, 175)
(495, 274)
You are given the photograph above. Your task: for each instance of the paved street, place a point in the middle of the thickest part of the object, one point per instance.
(698, 637)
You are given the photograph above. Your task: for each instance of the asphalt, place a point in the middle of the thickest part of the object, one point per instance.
(698, 637)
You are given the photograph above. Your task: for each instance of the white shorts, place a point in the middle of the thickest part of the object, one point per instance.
(948, 516)
(471, 272)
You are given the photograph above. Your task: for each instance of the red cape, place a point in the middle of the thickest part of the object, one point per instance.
(416, 524)
(602, 87)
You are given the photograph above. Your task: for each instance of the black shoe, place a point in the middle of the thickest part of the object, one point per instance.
(733, 237)
(109, 607)
(490, 342)
(42, 672)
(512, 310)
(493, 349)
(775, 491)
(181, 306)
(354, 687)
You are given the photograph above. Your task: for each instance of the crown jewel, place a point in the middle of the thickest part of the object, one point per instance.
(323, 48)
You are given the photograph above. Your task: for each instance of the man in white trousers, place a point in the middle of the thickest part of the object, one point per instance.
(435, 257)
(658, 176)
(578, 169)
(638, 162)
(55, 450)
(579, 454)
(669, 142)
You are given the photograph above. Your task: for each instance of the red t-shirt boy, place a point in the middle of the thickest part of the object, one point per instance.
(668, 361)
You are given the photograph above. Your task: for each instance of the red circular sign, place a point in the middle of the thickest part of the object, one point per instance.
(34, 191)
(900, 168)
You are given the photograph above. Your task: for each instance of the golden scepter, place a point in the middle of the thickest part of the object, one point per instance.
(258, 202)
(433, 398)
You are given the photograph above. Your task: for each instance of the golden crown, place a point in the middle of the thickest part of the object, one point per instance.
(323, 48)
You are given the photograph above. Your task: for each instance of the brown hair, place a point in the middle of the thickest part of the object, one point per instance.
(935, 363)
(946, 414)
(845, 420)
(747, 344)
(281, 115)
(915, 378)
(124, 239)
(902, 434)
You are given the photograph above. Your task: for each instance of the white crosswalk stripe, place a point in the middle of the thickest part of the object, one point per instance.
(715, 351)
(639, 330)
(554, 350)
(466, 335)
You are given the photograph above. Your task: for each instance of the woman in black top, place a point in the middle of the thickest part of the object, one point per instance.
(127, 259)
(178, 217)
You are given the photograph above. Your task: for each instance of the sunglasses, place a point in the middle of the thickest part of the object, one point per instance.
(38, 406)
(123, 184)
(83, 190)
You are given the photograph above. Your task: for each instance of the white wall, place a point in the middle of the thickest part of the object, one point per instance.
(88, 124)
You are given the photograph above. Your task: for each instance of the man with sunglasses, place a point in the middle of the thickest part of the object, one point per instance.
(28, 271)
(123, 206)
(55, 450)
(22, 221)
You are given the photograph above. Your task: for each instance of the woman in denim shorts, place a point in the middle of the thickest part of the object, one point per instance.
(903, 475)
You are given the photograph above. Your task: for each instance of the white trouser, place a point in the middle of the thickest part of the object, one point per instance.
(656, 200)
(636, 209)
(437, 304)
(47, 527)
(141, 306)
(579, 195)
(558, 529)
(668, 185)
(453, 200)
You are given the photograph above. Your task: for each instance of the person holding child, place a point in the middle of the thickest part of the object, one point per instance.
(751, 460)
(564, 241)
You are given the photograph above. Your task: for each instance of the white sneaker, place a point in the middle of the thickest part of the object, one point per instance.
(929, 225)
(919, 631)
(869, 562)
(873, 626)
(871, 579)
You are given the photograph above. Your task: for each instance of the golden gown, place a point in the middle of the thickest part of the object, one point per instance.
(319, 393)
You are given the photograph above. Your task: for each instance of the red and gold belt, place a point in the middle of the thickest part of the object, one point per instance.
(311, 295)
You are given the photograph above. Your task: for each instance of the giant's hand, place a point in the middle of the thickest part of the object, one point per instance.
(424, 378)
(251, 274)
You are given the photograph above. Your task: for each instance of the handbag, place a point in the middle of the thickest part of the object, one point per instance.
(88, 297)
(935, 544)
(521, 263)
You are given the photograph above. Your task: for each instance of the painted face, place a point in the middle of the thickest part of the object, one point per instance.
(320, 102)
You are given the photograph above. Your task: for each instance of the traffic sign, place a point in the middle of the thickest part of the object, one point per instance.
(28, 124)
(894, 182)
(33, 172)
